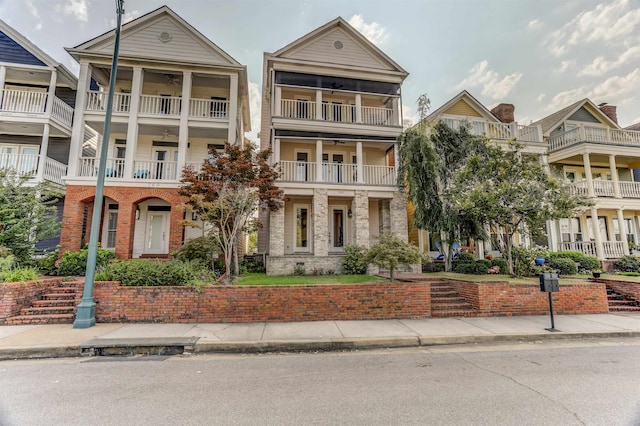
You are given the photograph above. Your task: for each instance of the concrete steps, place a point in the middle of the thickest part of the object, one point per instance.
(58, 306)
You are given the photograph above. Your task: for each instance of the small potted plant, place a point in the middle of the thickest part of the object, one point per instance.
(596, 272)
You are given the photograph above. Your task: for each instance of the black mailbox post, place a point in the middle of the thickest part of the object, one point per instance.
(549, 284)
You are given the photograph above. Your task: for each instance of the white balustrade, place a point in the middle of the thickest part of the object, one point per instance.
(298, 108)
(586, 247)
(625, 137)
(301, 171)
(297, 171)
(630, 189)
(380, 175)
(25, 101)
(579, 188)
(61, 111)
(89, 167)
(377, 116)
(97, 101)
(208, 108)
(529, 133)
(595, 134)
(160, 105)
(54, 170)
(155, 170)
(22, 164)
(603, 188)
(613, 249)
(563, 140)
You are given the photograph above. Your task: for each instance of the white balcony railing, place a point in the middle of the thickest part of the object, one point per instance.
(301, 171)
(594, 134)
(208, 108)
(613, 249)
(603, 188)
(160, 105)
(630, 189)
(62, 112)
(54, 170)
(377, 116)
(334, 112)
(155, 170)
(292, 108)
(23, 164)
(89, 167)
(493, 130)
(23, 101)
(97, 101)
(586, 247)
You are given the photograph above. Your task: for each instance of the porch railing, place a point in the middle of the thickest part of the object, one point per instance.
(377, 116)
(380, 175)
(586, 247)
(301, 171)
(23, 164)
(61, 111)
(23, 101)
(340, 113)
(89, 167)
(603, 188)
(630, 189)
(594, 134)
(97, 101)
(155, 170)
(613, 249)
(497, 130)
(293, 108)
(297, 171)
(54, 170)
(160, 105)
(208, 108)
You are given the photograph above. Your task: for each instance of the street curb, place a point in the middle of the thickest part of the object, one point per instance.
(522, 337)
(39, 353)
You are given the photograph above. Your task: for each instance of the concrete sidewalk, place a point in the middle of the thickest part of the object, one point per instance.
(44, 341)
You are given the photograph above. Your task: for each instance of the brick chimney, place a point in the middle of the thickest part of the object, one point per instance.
(609, 111)
(504, 112)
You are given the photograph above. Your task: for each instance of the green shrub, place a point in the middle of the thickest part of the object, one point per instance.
(465, 258)
(202, 249)
(47, 264)
(524, 260)
(353, 263)
(628, 264)
(482, 265)
(587, 263)
(75, 262)
(138, 272)
(18, 275)
(564, 265)
(7, 262)
(466, 268)
(502, 264)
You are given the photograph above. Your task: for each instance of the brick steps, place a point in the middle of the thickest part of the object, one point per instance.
(447, 302)
(620, 303)
(58, 306)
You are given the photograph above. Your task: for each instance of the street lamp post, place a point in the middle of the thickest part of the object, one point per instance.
(86, 315)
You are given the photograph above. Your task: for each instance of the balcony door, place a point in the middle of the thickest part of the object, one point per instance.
(332, 167)
(302, 166)
(164, 165)
(337, 228)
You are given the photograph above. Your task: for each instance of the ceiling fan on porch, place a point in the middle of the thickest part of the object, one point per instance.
(172, 80)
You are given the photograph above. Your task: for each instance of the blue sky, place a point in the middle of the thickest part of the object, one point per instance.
(540, 55)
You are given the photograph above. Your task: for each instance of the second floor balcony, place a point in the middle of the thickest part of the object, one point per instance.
(607, 188)
(29, 165)
(594, 134)
(34, 103)
(337, 173)
(499, 131)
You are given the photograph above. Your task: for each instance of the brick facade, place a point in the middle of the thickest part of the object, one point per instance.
(127, 198)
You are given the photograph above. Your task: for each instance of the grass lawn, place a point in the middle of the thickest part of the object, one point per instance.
(566, 279)
(263, 279)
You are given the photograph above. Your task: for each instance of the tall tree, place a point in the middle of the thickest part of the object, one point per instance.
(228, 189)
(430, 159)
(27, 214)
(512, 191)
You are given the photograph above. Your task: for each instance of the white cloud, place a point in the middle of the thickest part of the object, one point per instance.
(493, 85)
(534, 24)
(409, 116)
(375, 32)
(608, 22)
(255, 105)
(76, 8)
(541, 97)
(128, 16)
(33, 10)
(566, 98)
(565, 65)
(601, 66)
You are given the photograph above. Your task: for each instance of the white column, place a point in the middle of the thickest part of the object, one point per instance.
(614, 176)
(276, 150)
(319, 161)
(3, 76)
(358, 108)
(359, 163)
(595, 228)
(396, 160)
(233, 109)
(395, 117)
(183, 132)
(44, 147)
(277, 107)
(318, 104)
(588, 175)
(77, 134)
(51, 94)
(623, 232)
(132, 126)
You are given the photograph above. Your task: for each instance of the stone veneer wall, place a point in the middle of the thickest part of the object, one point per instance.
(115, 303)
(502, 298)
(285, 265)
(16, 296)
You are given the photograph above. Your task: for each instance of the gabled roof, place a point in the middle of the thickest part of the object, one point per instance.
(368, 49)
(38, 54)
(552, 121)
(103, 44)
(470, 100)
(633, 127)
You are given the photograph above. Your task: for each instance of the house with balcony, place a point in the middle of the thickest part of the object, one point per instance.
(331, 113)
(37, 97)
(177, 96)
(498, 125)
(596, 157)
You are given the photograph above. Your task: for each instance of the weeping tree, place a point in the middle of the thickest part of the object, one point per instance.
(512, 191)
(430, 159)
(227, 191)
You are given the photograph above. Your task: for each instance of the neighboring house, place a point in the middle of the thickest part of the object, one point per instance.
(177, 95)
(596, 157)
(499, 126)
(37, 96)
(331, 113)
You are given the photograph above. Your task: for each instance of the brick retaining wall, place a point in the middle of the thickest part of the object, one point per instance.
(115, 303)
(626, 288)
(16, 296)
(502, 298)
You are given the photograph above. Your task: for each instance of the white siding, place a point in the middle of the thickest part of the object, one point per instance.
(184, 46)
(352, 53)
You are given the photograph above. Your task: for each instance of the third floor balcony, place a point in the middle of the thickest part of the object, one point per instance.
(596, 135)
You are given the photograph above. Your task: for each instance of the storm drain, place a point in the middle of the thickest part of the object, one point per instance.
(139, 346)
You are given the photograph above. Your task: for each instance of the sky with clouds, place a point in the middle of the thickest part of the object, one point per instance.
(540, 55)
